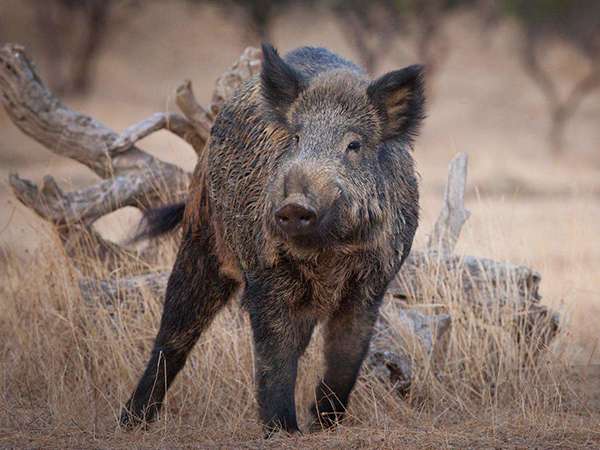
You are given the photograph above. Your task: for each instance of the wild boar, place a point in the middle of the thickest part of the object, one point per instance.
(306, 200)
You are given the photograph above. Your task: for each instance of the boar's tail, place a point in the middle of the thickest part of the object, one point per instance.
(159, 221)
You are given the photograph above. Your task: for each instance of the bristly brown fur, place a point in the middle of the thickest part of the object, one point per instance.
(312, 132)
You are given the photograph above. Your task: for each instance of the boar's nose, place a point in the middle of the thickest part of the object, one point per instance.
(296, 219)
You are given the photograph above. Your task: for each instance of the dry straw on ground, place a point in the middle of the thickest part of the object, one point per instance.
(67, 367)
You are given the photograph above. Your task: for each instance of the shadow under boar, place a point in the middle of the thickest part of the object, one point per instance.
(306, 199)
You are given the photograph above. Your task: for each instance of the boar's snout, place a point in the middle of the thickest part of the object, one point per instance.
(304, 199)
(296, 217)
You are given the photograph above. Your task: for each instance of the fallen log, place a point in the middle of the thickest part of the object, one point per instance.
(396, 331)
(132, 176)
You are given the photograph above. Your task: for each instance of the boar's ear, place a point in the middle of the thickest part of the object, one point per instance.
(400, 100)
(281, 84)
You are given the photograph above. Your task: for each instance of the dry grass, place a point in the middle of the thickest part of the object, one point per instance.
(68, 366)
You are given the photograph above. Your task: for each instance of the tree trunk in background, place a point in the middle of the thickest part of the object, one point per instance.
(95, 19)
(74, 31)
(560, 111)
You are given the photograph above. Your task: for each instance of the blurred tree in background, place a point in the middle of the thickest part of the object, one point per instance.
(575, 23)
(372, 27)
(369, 29)
(258, 16)
(74, 31)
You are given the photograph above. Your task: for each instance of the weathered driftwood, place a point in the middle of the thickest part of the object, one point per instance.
(40, 115)
(248, 65)
(130, 173)
(87, 205)
(133, 177)
(130, 288)
(397, 331)
(172, 122)
(426, 276)
(453, 215)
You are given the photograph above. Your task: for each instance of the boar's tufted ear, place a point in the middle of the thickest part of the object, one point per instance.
(400, 100)
(281, 84)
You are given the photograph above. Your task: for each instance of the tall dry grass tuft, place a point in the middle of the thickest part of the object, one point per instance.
(68, 365)
(493, 357)
(488, 363)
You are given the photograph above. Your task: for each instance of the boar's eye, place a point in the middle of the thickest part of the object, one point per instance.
(354, 145)
(296, 139)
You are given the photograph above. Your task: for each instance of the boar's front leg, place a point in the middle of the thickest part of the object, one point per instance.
(346, 342)
(195, 293)
(281, 334)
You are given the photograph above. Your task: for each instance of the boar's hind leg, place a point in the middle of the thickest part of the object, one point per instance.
(280, 338)
(346, 342)
(195, 293)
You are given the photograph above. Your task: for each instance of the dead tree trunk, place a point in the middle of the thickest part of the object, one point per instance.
(132, 177)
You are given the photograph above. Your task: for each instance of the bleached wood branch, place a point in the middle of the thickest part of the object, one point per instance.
(247, 66)
(133, 177)
(110, 292)
(172, 122)
(453, 215)
(86, 205)
(40, 115)
(195, 113)
(398, 330)
(482, 282)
